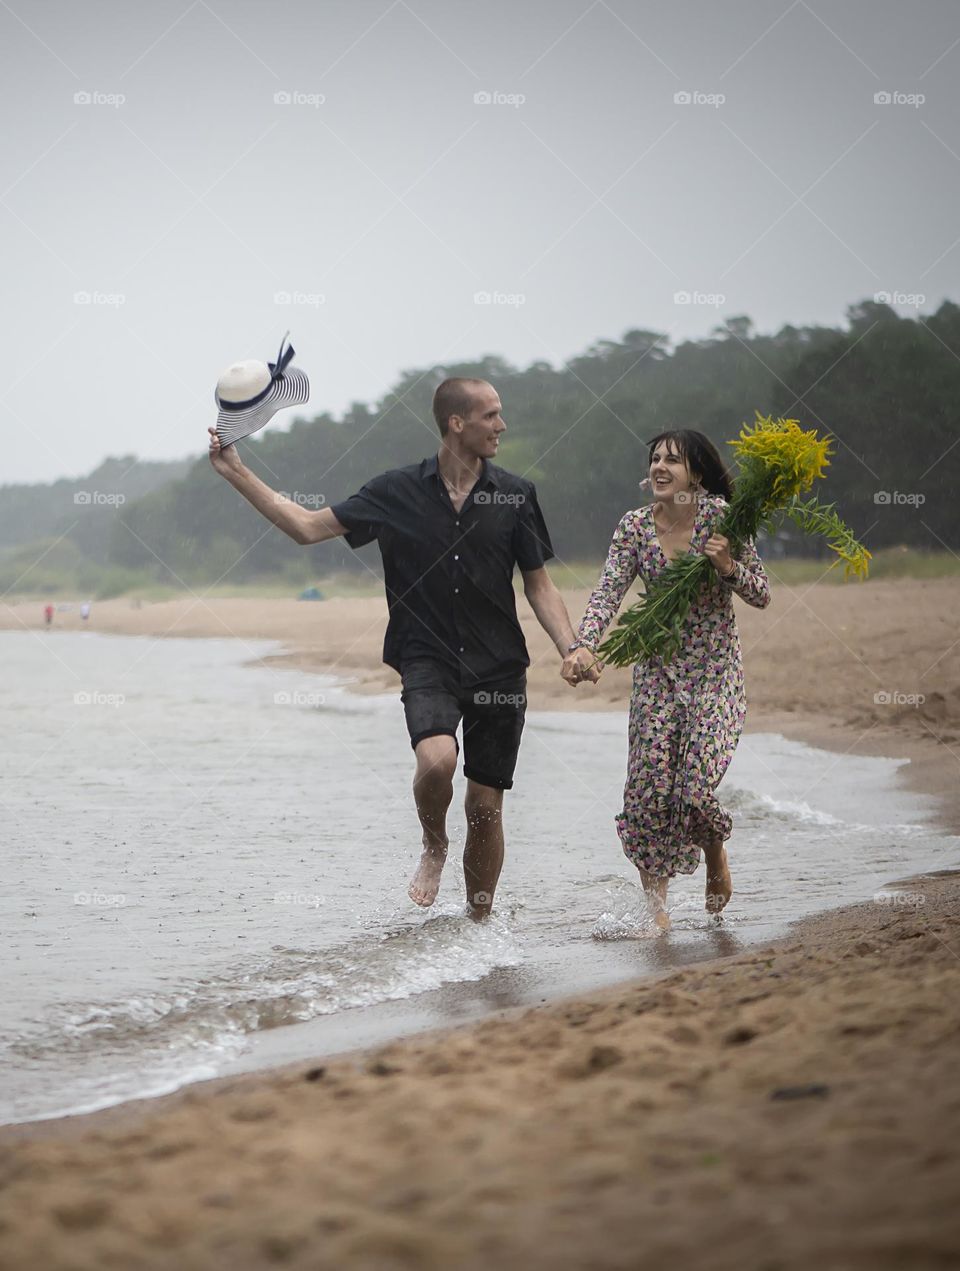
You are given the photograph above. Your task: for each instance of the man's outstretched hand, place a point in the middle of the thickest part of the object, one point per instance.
(225, 459)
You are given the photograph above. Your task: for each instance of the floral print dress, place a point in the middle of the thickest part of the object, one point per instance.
(686, 715)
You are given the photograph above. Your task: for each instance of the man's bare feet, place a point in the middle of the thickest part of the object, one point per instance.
(426, 881)
(661, 920)
(719, 883)
(479, 906)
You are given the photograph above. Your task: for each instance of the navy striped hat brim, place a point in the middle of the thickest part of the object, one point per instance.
(292, 388)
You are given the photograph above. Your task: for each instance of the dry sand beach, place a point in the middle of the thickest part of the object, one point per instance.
(791, 1105)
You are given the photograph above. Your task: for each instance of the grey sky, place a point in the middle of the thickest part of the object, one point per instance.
(596, 199)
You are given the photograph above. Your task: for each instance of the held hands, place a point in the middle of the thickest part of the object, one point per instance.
(717, 551)
(580, 665)
(225, 459)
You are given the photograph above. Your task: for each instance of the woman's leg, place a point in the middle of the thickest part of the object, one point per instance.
(719, 884)
(648, 764)
(656, 892)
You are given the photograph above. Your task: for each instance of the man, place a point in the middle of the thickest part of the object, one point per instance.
(450, 531)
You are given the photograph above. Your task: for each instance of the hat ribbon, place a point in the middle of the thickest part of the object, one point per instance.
(284, 358)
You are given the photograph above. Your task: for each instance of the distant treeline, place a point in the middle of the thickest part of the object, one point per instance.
(887, 388)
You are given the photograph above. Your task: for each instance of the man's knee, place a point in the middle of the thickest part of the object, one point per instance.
(436, 763)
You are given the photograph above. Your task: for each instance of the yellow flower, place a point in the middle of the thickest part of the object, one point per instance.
(856, 559)
(793, 458)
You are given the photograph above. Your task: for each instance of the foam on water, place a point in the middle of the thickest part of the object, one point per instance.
(209, 1019)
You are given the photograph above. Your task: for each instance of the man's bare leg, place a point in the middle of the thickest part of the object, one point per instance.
(719, 884)
(483, 852)
(432, 792)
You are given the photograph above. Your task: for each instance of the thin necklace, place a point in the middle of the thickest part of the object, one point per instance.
(455, 489)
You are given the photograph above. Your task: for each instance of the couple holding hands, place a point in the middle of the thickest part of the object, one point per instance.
(451, 529)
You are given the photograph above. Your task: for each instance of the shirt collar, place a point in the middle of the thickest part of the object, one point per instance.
(488, 473)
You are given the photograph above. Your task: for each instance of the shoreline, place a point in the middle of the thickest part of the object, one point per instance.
(458, 1000)
(757, 1083)
(815, 661)
(823, 924)
(578, 1132)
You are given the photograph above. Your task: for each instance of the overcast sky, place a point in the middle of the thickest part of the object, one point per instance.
(378, 163)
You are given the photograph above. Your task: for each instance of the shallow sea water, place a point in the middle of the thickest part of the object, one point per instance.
(207, 866)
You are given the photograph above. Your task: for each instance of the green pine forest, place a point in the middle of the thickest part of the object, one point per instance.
(887, 387)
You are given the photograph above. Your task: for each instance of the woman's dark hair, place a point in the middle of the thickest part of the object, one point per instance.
(702, 457)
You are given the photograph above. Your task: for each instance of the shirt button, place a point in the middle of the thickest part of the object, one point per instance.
(456, 558)
(461, 648)
(458, 522)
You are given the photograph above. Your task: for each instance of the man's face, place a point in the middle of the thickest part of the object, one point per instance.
(481, 429)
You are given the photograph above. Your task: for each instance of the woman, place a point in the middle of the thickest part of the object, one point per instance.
(686, 714)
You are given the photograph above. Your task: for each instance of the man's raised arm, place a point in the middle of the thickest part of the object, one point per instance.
(303, 525)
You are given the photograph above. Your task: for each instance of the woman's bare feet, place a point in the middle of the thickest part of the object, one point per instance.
(719, 883)
(426, 881)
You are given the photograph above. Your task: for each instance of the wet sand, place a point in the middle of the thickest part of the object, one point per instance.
(793, 1105)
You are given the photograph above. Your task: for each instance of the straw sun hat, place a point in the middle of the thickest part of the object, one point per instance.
(250, 393)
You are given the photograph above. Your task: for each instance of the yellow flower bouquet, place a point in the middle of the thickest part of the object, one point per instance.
(778, 462)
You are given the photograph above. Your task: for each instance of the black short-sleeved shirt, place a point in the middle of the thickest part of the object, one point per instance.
(449, 574)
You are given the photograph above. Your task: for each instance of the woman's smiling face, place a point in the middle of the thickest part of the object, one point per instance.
(670, 473)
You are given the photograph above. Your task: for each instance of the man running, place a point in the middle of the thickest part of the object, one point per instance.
(450, 531)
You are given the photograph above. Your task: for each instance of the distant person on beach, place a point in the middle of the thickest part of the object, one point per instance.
(450, 530)
(48, 614)
(686, 714)
(85, 610)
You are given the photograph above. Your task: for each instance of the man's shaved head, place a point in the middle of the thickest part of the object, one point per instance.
(455, 397)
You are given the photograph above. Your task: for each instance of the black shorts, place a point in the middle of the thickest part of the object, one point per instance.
(434, 703)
